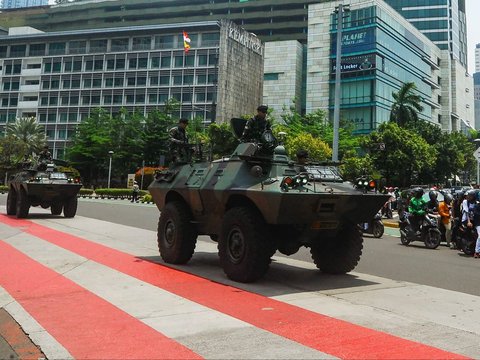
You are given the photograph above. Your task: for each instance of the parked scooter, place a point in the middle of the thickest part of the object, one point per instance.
(374, 226)
(429, 233)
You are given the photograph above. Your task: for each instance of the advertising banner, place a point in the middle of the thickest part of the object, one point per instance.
(355, 63)
(358, 40)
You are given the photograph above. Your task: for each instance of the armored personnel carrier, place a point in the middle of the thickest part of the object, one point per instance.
(257, 202)
(41, 184)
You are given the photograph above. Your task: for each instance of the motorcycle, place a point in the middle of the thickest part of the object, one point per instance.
(429, 233)
(374, 226)
(465, 239)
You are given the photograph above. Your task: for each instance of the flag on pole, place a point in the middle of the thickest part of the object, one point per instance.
(186, 41)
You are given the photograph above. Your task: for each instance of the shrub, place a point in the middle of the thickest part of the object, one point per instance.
(84, 191)
(118, 192)
(3, 188)
(147, 198)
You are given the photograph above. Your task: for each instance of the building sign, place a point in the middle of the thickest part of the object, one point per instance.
(250, 41)
(355, 41)
(355, 63)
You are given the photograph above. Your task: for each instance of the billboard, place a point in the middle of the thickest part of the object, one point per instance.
(354, 41)
(355, 63)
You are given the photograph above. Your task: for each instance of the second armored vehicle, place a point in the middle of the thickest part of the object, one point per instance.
(256, 202)
(43, 185)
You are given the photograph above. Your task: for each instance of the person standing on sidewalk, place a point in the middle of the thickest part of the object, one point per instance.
(135, 192)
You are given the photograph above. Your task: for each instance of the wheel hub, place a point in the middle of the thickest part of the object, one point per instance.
(170, 233)
(235, 246)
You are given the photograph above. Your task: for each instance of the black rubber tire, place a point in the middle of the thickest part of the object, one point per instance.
(341, 254)
(433, 238)
(378, 229)
(56, 208)
(11, 202)
(176, 235)
(23, 205)
(70, 207)
(404, 240)
(468, 249)
(245, 246)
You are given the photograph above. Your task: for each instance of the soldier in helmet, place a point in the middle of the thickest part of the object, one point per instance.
(255, 127)
(45, 154)
(179, 149)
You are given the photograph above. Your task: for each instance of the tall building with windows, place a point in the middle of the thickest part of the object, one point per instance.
(61, 77)
(15, 4)
(477, 58)
(380, 52)
(442, 21)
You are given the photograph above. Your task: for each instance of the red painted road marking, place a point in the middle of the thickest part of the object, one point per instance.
(16, 338)
(323, 333)
(86, 325)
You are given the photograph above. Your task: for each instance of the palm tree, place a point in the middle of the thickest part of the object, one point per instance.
(406, 107)
(28, 132)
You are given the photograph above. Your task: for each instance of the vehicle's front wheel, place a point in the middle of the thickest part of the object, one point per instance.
(378, 229)
(23, 205)
(56, 208)
(70, 207)
(432, 239)
(340, 254)
(176, 234)
(11, 202)
(245, 245)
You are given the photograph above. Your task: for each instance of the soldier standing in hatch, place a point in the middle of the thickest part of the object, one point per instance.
(45, 154)
(179, 142)
(255, 127)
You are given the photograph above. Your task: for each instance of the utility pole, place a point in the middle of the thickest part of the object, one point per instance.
(338, 68)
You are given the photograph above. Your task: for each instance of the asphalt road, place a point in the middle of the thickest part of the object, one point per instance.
(384, 257)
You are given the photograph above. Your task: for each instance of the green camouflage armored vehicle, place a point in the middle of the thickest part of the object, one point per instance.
(257, 202)
(43, 185)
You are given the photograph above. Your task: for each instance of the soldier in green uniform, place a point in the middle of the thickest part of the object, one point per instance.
(255, 127)
(179, 148)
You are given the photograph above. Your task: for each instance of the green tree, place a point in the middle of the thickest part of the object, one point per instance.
(157, 124)
(406, 105)
(406, 153)
(91, 144)
(317, 149)
(221, 140)
(28, 132)
(12, 152)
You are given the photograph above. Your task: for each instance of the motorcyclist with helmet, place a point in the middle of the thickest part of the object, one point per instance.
(445, 212)
(432, 204)
(417, 209)
(467, 208)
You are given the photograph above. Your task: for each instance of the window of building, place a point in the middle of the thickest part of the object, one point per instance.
(164, 42)
(119, 64)
(98, 46)
(77, 65)
(72, 117)
(68, 66)
(131, 81)
(66, 84)
(37, 49)
(53, 101)
(64, 100)
(3, 51)
(142, 43)
(212, 59)
(63, 117)
(154, 80)
(142, 63)
(200, 97)
(141, 81)
(45, 85)
(110, 64)
(87, 83)
(107, 99)
(98, 65)
(202, 60)
(177, 80)
(117, 99)
(57, 48)
(210, 39)
(18, 50)
(47, 67)
(57, 67)
(118, 82)
(132, 63)
(155, 62)
(109, 82)
(189, 60)
(162, 98)
(73, 99)
(130, 98)
(86, 100)
(96, 83)
(77, 47)
(54, 84)
(89, 65)
(193, 40)
(165, 80)
(119, 45)
(75, 83)
(152, 98)
(201, 79)
(95, 100)
(140, 98)
(51, 117)
(270, 76)
(166, 62)
(179, 61)
(188, 79)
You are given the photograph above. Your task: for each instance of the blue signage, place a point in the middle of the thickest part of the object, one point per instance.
(354, 41)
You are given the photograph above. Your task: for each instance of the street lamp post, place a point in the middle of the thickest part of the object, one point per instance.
(338, 60)
(110, 154)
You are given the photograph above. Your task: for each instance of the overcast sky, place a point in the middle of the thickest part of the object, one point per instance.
(473, 30)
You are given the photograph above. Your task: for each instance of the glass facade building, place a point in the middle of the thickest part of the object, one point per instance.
(380, 52)
(442, 21)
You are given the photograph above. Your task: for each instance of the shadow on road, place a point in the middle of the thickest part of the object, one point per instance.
(281, 279)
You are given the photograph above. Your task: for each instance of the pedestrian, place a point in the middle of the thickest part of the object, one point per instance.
(179, 149)
(445, 212)
(135, 192)
(476, 220)
(256, 126)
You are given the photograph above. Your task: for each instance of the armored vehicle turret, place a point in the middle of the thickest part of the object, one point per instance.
(257, 202)
(42, 184)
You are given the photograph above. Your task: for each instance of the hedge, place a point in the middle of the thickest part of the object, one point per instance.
(84, 191)
(118, 192)
(3, 188)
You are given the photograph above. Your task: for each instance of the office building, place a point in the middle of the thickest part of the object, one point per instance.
(60, 77)
(381, 51)
(15, 4)
(477, 58)
(442, 21)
